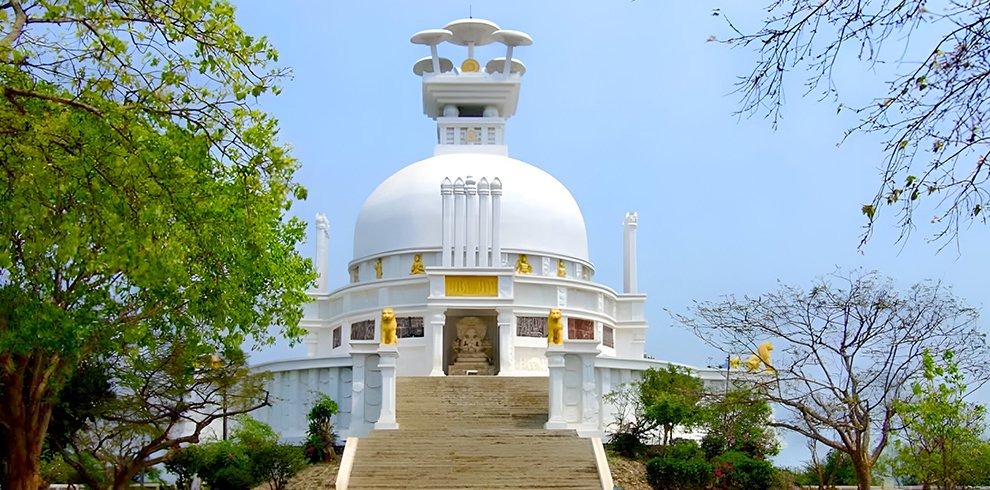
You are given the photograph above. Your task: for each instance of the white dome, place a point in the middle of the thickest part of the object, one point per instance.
(404, 213)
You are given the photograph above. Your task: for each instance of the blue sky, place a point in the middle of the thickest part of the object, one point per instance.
(629, 106)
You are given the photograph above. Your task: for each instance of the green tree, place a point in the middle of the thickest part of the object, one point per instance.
(671, 398)
(143, 194)
(846, 350)
(739, 420)
(932, 114)
(940, 442)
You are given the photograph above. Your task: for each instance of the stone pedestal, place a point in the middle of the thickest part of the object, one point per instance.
(556, 364)
(387, 356)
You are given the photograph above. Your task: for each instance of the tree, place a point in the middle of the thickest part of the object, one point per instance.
(161, 404)
(671, 399)
(142, 192)
(940, 442)
(850, 345)
(739, 420)
(320, 436)
(933, 114)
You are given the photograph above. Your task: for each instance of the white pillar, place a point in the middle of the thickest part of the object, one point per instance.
(629, 284)
(447, 195)
(357, 394)
(460, 234)
(496, 222)
(471, 216)
(436, 320)
(387, 356)
(322, 251)
(484, 224)
(506, 343)
(557, 365)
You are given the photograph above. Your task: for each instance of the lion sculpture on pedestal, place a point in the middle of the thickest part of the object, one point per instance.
(555, 327)
(389, 327)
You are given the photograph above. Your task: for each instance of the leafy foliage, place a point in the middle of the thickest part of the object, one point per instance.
(850, 345)
(276, 464)
(942, 433)
(320, 437)
(671, 399)
(738, 471)
(667, 473)
(934, 114)
(739, 421)
(145, 199)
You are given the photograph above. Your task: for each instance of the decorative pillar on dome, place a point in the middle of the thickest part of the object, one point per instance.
(496, 190)
(471, 225)
(447, 195)
(460, 234)
(484, 223)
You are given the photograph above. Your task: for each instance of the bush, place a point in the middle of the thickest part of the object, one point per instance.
(627, 444)
(320, 436)
(185, 464)
(226, 466)
(735, 470)
(684, 449)
(676, 474)
(276, 464)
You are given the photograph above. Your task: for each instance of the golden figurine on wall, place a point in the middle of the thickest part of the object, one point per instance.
(378, 268)
(417, 265)
(522, 265)
(561, 268)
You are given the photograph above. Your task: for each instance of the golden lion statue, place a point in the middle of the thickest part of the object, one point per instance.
(761, 357)
(389, 327)
(555, 327)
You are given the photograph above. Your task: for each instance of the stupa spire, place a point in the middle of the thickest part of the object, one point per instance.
(469, 104)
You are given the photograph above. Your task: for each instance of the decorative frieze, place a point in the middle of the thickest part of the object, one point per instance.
(580, 329)
(531, 326)
(363, 330)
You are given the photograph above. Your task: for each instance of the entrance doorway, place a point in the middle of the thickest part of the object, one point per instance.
(470, 341)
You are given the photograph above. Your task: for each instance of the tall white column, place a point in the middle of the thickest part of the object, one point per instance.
(471, 217)
(506, 343)
(484, 223)
(460, 234)
(436, 320)
(357, 393)
(322, 251)
(447, 195)
(496, 222)
(629, 284)
(387, 356)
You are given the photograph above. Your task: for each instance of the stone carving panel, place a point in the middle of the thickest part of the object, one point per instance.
(363, 330)
(531, 326)
(410, 326)
(580, 329)
(608, 337)
(336, 336)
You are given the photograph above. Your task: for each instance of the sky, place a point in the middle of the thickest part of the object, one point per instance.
(628, 105)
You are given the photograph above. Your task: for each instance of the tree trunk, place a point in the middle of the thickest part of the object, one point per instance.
(25, 413)
(862, 464)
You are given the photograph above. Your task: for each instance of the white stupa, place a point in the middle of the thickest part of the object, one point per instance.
(471, 249)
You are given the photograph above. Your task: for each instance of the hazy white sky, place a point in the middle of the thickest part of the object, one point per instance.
(629, 106)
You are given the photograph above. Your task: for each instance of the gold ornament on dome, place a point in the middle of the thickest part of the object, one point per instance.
(471, 135)
(561, 268)
(378, 268)
(470, 65)
(417, 265)
(522, 265)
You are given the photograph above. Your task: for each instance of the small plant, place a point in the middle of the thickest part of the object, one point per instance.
(276, 464)
(320, 436)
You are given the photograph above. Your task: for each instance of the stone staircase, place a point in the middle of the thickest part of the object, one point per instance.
(473, 432)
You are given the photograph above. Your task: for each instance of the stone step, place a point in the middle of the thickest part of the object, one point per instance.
(472, 432)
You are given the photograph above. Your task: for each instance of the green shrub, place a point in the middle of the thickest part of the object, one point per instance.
(627, 444)
(185, 464)
(676, 474)
(253, 434)
(276, 464)
(320, 436)
(735, 470)
(684, 449)
(226, 466)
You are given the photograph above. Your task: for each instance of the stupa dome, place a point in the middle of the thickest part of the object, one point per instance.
(404, 213)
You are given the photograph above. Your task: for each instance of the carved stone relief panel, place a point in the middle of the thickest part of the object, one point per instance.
(580, 329)
(531, 326)
(410, 326)
(336, 336)
(363, 330)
